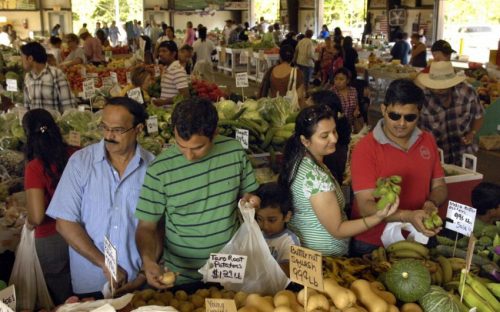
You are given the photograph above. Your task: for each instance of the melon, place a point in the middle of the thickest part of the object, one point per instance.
(408, 280)
(437, 300)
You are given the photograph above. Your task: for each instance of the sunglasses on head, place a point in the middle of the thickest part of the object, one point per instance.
(395, 116)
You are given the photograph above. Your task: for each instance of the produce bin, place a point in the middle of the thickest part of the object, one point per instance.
(461, 181)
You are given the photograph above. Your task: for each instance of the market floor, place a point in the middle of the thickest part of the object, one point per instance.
(229, 82)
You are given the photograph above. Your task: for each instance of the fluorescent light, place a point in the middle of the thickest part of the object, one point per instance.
(3, 19)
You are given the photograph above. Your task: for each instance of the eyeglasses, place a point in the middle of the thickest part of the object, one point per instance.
(114, 131)
(408, 117)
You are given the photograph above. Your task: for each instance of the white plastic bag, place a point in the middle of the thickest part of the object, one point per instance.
(392, 233)
(27, 275)
(263, 274)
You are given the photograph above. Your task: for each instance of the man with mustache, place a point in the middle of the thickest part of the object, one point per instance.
(96, 198)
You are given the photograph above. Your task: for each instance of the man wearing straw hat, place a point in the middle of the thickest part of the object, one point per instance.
(452, 113)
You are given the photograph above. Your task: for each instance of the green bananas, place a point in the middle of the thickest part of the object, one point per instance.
(387, 190)
(433, 221)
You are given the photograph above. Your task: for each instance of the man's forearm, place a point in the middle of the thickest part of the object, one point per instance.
(76, 236)
(438, 195)
(146, 240)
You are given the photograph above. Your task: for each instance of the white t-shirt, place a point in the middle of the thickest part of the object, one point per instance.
(279, 245)
(78, 53)
(5, 39)
(203, 50)
(173, 79)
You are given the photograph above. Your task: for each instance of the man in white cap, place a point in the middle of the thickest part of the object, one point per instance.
(452, 113)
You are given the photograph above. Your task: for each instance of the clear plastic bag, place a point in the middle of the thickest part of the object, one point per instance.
(27, 276)
(263, 274)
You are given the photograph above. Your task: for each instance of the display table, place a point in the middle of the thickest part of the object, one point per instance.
(229, 60)
(259, 63)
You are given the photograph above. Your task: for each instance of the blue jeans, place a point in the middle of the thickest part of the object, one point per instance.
(307, 72)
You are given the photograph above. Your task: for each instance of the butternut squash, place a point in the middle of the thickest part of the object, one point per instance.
(411, 307)
(317, 302)
(285, 298)
(382, 293)
(393, 308)
(260, 303)
(367, 297)
(302, 293)
(342, 297)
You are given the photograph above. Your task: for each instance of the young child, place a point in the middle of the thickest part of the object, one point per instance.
(275, 212)
(486, 199)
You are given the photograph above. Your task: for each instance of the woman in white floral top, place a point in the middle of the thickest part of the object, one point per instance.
(319, 219)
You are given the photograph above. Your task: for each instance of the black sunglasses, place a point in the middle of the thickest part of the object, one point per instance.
(395, 116)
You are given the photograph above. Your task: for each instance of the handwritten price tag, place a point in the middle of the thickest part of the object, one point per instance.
(88, 88)
(129, 77)
(110, 257)
(306, 267)
(8, 297)
(226, 268)
(220, 305)
(114, 77)
(242, 136)
(136, 94)
(74, 138)
(107, 82)
(11, 85)
(152, 124)
(462, 218)
(241, 80)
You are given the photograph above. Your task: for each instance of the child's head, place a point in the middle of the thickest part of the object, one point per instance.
(275, 208)
(486, 199)
(341, 78)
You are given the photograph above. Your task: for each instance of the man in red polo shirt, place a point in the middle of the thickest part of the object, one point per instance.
(396, 146)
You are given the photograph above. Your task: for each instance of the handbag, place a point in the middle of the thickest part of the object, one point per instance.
(291, 91)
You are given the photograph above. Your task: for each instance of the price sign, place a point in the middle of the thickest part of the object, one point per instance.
(107, 82)
(8, 297)
(241, 80)
(242, 136)
(220, 305)
(462, 218)
(306, 267)
(244, 57)
(93, 76)
(83, 71)
(129, 79)
(110, 257)
(88, 88)
(152, 124)
(157, 71)
(135, 94)
(108, 55)
(114, 77)
(226, 268)
(12, 85)
(74, 138)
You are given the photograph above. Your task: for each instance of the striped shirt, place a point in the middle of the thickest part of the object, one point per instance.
(310, 180)
(199, 201)
(92, 194)
(349, 102)
(173, 79)
(48, 90)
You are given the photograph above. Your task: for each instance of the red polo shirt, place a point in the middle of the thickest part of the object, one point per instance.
(376, 156)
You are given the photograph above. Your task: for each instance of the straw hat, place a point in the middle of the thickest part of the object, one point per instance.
(441, 76)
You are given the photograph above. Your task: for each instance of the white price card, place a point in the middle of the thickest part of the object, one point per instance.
(74, 138)
(462, 218)
(110, 258)
(129, 77)
(107, 82)
(114, 77)
(94, 76)
(12, 85)
(220, 305)
(152, 124)
(88, 88)
(226, 268)
(83, 71)
(244, 57)
(241, 80)
(157, 71)
(135, 94)
(306, 267)
(108, 55)
(8, 297)
(242, 136)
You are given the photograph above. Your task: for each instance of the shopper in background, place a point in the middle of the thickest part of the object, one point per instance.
(4, 36)
(350, 56)
(244, 33)
(347, 95)
(96, 198)
(114, 32)
(418, 52)
(105, 28)
(140, 77)
(44, 86)
(401, 49)
(441, 51)
(228, 28)
(76, 53)
(337, 36)
(277, 78)
(195, 186)
(325, 33)
(319, 219)
(83, 29)
(337, 161)
(46, 155)
(168, 35)
(93, 49)
(55, 49)
(485, 198)
(304, 56)
(101, 35)
(290, 40)
(452, 111)
(203, 50)
(396, 146)
(186, 58)
(55, 30)
(326, 56)
(174, 79)
(190, 35)
(277, 35)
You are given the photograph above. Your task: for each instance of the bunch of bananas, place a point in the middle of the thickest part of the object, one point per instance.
(379, 261)
(407, 249)
(346, 270)
(476, 294)
(387, 190)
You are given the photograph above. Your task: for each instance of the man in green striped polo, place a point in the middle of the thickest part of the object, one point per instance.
(195, 185)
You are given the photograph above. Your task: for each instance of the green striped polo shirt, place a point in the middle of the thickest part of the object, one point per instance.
(199, 201)
(312, 179)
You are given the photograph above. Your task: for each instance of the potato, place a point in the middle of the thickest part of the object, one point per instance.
(155, 302)
(203, 292)
(199, 310)
(168, 278)
(198, 301)
(227, 294)
(181, 295)
(175, 303)
(147, 294)
(165, 297)
(186, 307)
(138, 303)
(239, 298)
(215, 294)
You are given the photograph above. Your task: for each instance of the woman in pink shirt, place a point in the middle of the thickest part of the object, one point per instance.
(190, 34)
(93, 49)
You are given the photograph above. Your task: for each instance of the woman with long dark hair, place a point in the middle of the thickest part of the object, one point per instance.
(46, 155)
(319, 219)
